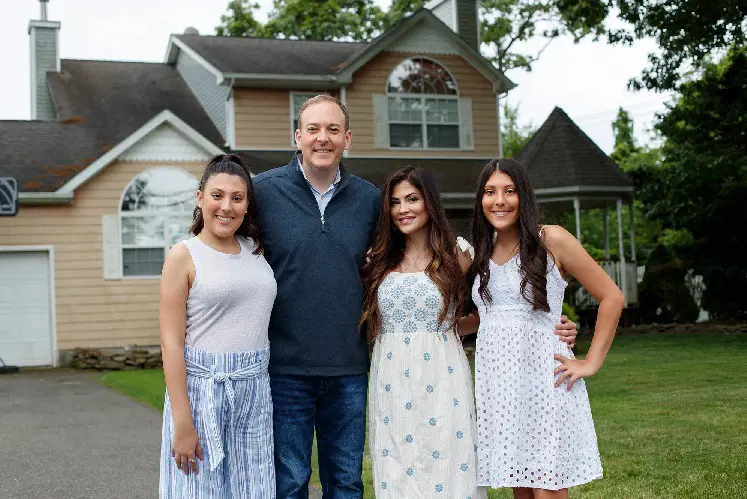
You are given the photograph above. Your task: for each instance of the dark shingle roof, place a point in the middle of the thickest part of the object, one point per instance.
(272, 56)
(99, 104)
(452, 175)
(560, 154)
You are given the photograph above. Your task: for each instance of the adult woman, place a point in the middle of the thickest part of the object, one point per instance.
(217, 292)
(519, 270)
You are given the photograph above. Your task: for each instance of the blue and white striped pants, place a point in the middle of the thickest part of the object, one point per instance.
(232, 411)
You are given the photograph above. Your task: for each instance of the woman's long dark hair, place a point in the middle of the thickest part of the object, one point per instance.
(232, 164)
(532, 251)
(389, 247)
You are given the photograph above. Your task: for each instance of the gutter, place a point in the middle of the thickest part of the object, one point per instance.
(44, 198)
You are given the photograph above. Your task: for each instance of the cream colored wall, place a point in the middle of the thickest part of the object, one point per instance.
(91, 312)
(372, 79)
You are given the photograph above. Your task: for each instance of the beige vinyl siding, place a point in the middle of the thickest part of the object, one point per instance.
(372, 79)
(91, 312)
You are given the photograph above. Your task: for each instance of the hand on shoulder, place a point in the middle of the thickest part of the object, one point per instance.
(465, 253)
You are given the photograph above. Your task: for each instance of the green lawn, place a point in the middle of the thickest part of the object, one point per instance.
(670, 414)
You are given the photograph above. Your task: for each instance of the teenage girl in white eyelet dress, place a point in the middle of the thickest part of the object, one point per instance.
(535, 429)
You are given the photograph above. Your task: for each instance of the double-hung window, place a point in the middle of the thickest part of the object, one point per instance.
(296, 101)
(423, 106)
(155, 213)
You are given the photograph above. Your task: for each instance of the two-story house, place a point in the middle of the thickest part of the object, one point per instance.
(109, 163)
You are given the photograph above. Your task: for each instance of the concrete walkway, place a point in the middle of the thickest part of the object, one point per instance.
(64, 435)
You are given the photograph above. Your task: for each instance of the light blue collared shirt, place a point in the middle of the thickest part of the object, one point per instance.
(322, 199)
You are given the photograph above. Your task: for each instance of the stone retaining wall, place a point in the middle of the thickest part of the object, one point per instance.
(112, 359)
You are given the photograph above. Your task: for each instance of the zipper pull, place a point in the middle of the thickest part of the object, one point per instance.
(322, 220)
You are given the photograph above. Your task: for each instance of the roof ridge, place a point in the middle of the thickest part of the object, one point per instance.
(113, 61)
(540, 136)
(340, 42)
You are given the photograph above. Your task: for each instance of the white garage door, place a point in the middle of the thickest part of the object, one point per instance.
(25, 310)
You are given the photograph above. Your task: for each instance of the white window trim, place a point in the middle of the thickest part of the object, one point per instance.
(140, 214)
(293, 114)
(423, 97)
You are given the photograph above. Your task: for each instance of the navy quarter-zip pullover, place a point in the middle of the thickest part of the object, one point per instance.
(317, 262)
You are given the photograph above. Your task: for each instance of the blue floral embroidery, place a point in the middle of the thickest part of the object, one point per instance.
(408, 438)
(420, 314)
(451, 369)
(409, 327)
(385, 452)
(432, 421)
(407, 340)
(408, 406)
(456, 403)
(387, 304)
(388, 387)
(464, 467)
(407, 373)
(427, 356)
(421, 289)
(460, 434)
(429, 388)
(410, 280)
(386, 419)
(439, 487)
(398, 315)
(409, 302)
(432, 325)
(445, 337)
(432, 301)
(410, 472)
(436, 454)
(384, 485)
(389, 356)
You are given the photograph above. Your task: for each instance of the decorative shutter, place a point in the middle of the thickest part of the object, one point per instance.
(110, 243)
(466, 136)
(381, 121)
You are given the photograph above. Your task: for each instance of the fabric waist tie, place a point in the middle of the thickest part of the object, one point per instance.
(214, 442)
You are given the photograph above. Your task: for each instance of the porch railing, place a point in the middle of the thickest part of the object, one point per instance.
(614, 269)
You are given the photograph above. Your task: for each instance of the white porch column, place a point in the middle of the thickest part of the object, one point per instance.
(606, 233)
(623, 276)
(577, 210)
(632, 231)
(498, 118)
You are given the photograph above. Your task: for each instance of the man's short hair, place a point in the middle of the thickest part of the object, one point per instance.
(325, 98)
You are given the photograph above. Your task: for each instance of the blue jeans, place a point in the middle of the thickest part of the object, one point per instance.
(336, 407)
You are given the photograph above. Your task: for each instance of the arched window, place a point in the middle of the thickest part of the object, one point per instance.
(155, 214)
(423, 106)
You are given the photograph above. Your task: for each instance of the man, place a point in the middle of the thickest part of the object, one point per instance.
(316, 221)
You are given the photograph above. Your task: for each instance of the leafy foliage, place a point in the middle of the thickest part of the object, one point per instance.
(514, 135)
(688, 32)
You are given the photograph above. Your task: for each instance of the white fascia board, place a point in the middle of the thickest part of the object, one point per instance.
(102, 162)
(172, 51)
(580, 189)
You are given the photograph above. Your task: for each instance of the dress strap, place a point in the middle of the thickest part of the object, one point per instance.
(541, 229)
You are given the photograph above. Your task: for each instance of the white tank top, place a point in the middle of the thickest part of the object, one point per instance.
(229, 304)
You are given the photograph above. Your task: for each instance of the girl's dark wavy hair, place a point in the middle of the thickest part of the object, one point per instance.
(232, 164)
(532, 251)
(389, 247)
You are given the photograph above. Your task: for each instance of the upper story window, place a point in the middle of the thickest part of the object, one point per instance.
(155, 214)
(296, 101)
(423, 106)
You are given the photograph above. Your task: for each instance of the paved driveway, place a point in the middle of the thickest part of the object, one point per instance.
(64, 435)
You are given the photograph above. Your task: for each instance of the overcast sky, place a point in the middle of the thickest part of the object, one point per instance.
(588, 80)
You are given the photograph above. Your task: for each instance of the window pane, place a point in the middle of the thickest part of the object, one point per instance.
(161, 189)
(421, 76)
(406, 109)
(405, 135)
(142, 261)
(442, 111)
(178, 229)
(143, 231)
(443, 136)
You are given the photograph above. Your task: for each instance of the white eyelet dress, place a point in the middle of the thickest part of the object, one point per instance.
(421, 409)
(530, 434)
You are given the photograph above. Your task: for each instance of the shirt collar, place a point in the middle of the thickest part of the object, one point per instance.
(303, 172)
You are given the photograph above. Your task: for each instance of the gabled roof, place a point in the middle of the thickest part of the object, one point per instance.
(99, 105)
(311, 62)
(560, 156)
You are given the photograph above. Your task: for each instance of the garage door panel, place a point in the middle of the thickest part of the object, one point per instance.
(25, 309)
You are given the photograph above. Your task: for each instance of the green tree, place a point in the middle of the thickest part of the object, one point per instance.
(701, 184)
(688, 32)
(240, 21)
(514, 135)
(622, 129)
(349, 20)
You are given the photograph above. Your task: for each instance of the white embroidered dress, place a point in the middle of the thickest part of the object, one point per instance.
(530, 434)
(421, 408)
